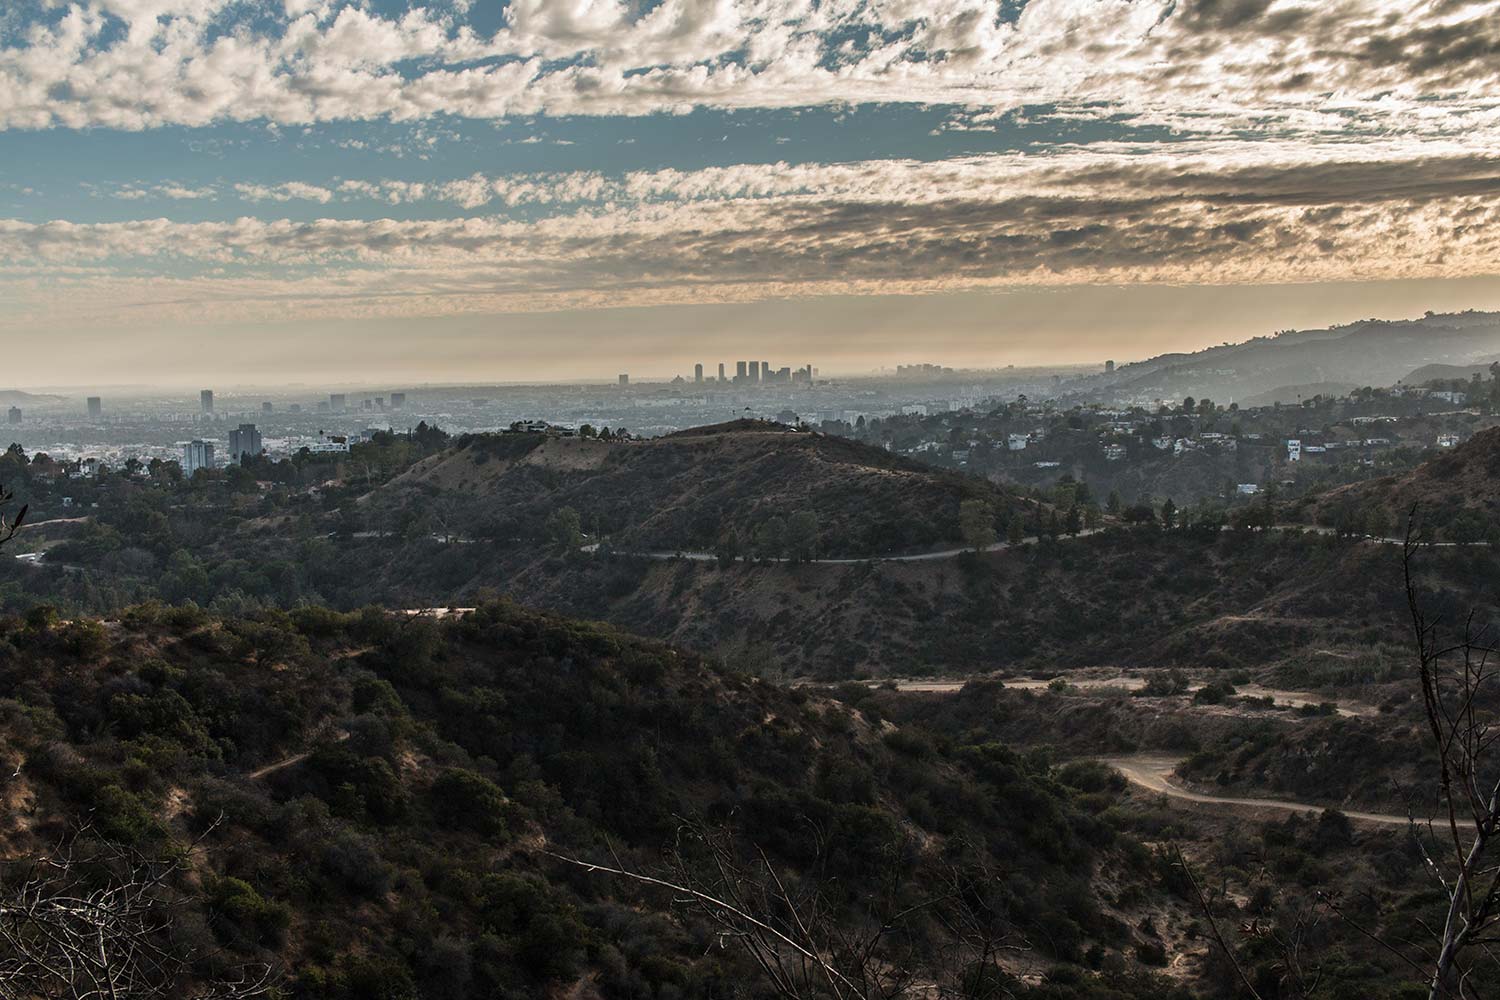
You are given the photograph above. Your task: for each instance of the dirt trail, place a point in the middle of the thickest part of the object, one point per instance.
(286, 762)
(280, 765)
(1281, 698)
(1154, 772)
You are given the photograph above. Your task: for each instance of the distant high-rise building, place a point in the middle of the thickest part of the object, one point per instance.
(624, 380)
(398, 400)
(96, 407)
(739, 371)
(266, 408)
(336, 402)
(1109, 366)
(244, 440)
(698, 374)
(197, 455)
(295, 408)
(721, 371)
(15, 415)
(206, 399)
(765, 371)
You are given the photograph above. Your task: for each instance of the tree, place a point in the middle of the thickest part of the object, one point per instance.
(976, 522)
(729, 548)
(1466, 528)
(1073, 523)
(1454, 670)
(1377, 521)
(565, 528)
(770, 538)
(1113, 503)
(9, 525)
(1169, 514)
(1015, 532)
(802, 535)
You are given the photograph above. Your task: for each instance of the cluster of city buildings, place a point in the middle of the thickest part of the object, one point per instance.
(746, 373)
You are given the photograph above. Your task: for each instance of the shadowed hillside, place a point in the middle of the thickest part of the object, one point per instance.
(1456, 496)
(694, 489)
(381, 799)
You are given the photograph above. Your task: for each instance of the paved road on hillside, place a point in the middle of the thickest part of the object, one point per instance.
(917, 557)
(1154, 773)
(997, 547)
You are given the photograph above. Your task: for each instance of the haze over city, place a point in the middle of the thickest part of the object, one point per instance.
(196, 189)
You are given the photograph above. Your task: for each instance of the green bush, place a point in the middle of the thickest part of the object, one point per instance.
(239, 912)
(469, 801)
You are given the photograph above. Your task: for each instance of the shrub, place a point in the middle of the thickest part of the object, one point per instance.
(241, 912)
(469, 801)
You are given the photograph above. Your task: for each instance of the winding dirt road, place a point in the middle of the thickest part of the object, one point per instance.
(1154, 773)
(1279, 697)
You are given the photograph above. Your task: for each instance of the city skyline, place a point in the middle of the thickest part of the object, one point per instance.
(434, 190)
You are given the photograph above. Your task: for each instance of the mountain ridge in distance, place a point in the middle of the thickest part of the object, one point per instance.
(1367, 352)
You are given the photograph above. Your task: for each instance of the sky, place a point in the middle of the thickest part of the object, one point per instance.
(473, 190)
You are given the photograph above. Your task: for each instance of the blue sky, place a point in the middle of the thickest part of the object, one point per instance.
(79, 174)
(329, 176)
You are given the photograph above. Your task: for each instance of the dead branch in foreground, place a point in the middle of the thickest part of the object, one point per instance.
(808, 950)
(1457, 681)
(97, 925)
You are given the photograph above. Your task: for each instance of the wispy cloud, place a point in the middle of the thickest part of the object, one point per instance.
(737, 234)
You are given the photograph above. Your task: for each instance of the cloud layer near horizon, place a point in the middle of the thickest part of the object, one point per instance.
(664, 237)
(1290, 141)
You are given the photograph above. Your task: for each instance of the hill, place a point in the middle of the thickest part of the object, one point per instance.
(16, 397)
(1451, 373)
(1457, 494)
(693, 490)
(1370, 352)
(377, 807)
(1288, 394)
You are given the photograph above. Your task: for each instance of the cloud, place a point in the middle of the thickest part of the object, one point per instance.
(140, 192)
(1222, 215)
(1210, 172)
(1272, 66)
(290, 191)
